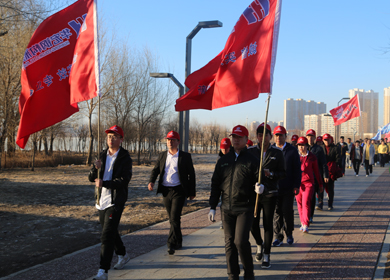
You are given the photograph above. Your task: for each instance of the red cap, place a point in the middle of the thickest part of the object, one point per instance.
(249, 143)
(326, 136)
(225, 143)
(115, 129)
(173, 135)
(319, 139)
(302, 141)
(311, 132)
(240, 130)
(280, 130)
(262, 128)
(294, 137)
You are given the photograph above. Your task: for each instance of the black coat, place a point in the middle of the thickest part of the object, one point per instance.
(121, 176)
(235, 179)
(353, 153)
(185, 168)
(319, 152)
(333, 155)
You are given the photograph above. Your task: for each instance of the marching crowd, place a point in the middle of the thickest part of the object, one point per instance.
(247, 180)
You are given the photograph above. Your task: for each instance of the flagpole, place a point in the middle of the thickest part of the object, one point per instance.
(261, 154)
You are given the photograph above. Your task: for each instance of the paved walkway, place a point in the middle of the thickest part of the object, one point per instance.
(343, 243)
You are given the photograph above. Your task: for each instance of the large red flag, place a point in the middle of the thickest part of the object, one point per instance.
(244, 68)
(60, 68)
(346, 111)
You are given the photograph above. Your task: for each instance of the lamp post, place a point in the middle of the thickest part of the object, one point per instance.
(338, 104)
(181, 93)
(201, 24)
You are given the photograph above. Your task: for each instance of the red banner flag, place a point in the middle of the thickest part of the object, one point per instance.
(346, 111)
(244, 68)
(60, 68)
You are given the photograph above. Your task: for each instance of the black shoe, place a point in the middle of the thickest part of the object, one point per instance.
(259, 255)
(233, 277)
(171, 250)
(249, 277)
(178, 246)
(265, 265)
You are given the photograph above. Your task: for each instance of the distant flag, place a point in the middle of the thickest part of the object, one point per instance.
(244, 68)
(386, 129)
(60, 68)
(346, 111)
(377, 136)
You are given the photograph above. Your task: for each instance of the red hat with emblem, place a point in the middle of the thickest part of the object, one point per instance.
(302, 141)
(280, 130)
(173, 135)
(319, 139)
(249, 143)
(326, 136)
(260, 128)
(240, 130)
(294, 137)
(311, 132)
(225, 143)
(115, 129)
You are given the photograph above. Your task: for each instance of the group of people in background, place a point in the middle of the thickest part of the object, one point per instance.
(265, 178)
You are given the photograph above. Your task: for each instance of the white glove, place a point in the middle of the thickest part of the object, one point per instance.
(212, 215)
(259, 188)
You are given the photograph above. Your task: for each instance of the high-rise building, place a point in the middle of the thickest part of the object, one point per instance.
(295, 110)
(313, 122)
(281, 123)
(327, 125)
(368, 101)
(386, 106)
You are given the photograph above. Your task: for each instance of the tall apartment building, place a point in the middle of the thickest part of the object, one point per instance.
(295, 110)
(327, 125)
(369, 104)
(386, 106)
(313, 122)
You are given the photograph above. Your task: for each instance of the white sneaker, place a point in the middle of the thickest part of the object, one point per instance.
(357, 175)
(122, 260)
(102, 275)
(366, 175)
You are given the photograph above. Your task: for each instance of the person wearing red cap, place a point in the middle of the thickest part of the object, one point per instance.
(284, 211)
(318, 151)
(234, 180)
(273, 170)
(319, 141)
(111, 191)
(294, 140)
(176, 183)
(333, 160)
(309, 167)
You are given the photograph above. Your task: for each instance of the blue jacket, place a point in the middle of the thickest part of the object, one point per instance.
(293, 170)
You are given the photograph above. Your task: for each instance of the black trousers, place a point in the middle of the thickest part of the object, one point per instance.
(268, 205)
(236, 226)
(173, 199)
(382, 159)
(343, 158)
(316, 194)
(284, 215)
(368, 166)
(111, 240)
(330, 187)
(356, 165)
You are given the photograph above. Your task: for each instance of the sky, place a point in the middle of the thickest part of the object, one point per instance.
(324, 49)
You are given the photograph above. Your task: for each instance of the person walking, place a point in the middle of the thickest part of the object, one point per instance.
(368, 155)
(234, 179)
(176, 183)
(383, 150)
(343, 148)
(225, 147)
(309, 167)
(348, 160)
(319, 141)
(288, 187)
(356, 157)
(294, 140)
(273, 170)
(111, 191)
(333, 160)
(318, 151)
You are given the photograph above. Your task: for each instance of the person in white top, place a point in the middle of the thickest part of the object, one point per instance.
(176, 183)
(111, 191)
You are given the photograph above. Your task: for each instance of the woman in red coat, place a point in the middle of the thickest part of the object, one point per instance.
(309, 169)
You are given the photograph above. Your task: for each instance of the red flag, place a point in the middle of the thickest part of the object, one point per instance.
(346, 111)
(244, 68)
(60, 68)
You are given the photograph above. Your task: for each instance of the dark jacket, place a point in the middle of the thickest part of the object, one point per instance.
(185, 168)
(235, 178)
(343, 149)
(274, 161)
(319, 152)
(121, 176)
(334, 154)
(353, 153)
(293, 170)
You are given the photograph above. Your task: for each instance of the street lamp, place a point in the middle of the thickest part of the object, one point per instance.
(181, 93)
(201, 24)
